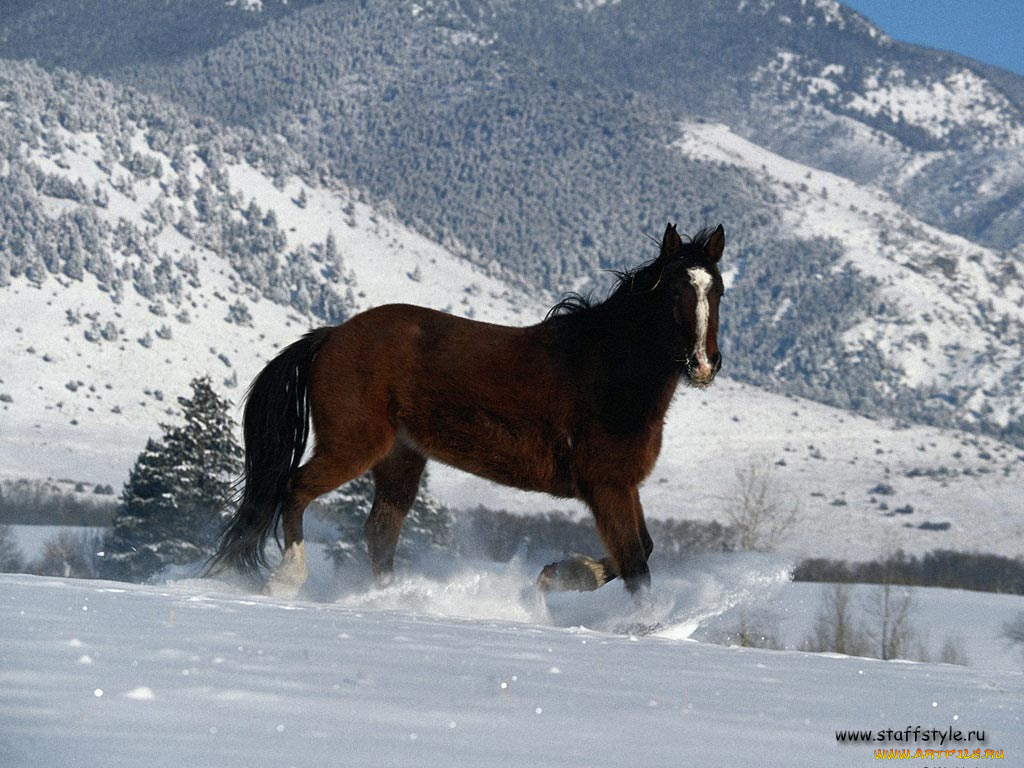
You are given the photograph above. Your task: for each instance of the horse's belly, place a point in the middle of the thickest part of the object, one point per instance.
(524, 455)
(526, 477)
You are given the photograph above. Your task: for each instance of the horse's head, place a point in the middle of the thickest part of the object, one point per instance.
(691, 278)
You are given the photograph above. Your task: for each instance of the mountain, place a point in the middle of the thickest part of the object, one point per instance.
(546, 137)
(812, 81)
(188, 186)
(140, 247)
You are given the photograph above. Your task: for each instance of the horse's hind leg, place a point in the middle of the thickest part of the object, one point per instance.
(324, 472)
(396, 480)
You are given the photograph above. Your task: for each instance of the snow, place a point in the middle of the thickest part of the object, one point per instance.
(383, 254)
(589, 6)
(962, 99)
(248, 5)
(96, 430)
(832, 12)
(193, 673)
(936, 285)
(973, 620)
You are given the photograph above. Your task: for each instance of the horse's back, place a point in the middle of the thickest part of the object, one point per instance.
(405, 343)
(483, 397)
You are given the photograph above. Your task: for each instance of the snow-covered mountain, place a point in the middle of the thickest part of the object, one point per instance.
(102, 332)
(945, 311)
(276, 166)
(543, 135)
(816, 82)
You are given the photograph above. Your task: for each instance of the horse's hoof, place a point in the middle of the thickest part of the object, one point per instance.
(281, 589)
(384, 580)
(639, 584)
(288, 578)
(577, 574)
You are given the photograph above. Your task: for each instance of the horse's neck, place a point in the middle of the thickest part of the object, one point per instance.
(645, 339)
(635, 363)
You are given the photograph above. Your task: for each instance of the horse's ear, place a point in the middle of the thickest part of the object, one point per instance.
(715, 245)
(671, 244)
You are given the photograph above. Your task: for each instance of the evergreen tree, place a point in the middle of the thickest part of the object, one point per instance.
(178, 491)
(331, 249)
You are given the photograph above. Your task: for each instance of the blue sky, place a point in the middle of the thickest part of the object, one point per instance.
(988, 30)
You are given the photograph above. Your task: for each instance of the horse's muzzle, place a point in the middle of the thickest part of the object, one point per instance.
(702, 374)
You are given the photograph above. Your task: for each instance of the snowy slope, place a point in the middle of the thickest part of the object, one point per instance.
(946, 105)
(81, 407)
(95, 673)
(950, 306)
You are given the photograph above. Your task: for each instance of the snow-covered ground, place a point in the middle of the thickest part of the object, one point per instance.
(712, 596)
(475, 673)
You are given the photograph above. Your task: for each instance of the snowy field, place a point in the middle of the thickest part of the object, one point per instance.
(31, 540)
(465, 669)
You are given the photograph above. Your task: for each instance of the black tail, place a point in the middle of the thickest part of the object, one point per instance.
(275, 428)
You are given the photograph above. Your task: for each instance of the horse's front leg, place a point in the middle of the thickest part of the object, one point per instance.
(579, 573)
(620, 523)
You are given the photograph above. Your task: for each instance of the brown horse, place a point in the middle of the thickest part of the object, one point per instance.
(573, 406)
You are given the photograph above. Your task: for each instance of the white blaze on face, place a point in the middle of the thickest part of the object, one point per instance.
(700, 279)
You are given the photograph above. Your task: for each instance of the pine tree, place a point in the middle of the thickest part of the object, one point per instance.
(178, 491)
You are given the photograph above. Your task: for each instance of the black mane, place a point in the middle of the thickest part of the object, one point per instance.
(571, 304)
(640, 279)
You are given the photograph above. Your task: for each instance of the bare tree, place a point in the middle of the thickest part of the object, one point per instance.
(760, 517)
(890, 609)
(952, 651)
(1013, 631)
(70, 555)
(753, 628)
(756, 510)
(11, 559)
(836, 630)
